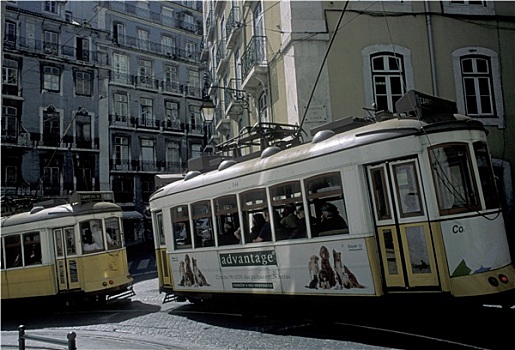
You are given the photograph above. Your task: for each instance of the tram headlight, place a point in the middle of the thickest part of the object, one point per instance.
(493, 281)
(503, 278)
(104, 283)
(111, 282)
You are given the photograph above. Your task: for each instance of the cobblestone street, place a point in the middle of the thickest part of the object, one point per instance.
(147, 323)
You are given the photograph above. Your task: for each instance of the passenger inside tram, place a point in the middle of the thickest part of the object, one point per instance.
(228, 236)
(302, 231)
(88, 244)
(265, 234)
(258, 221)
(289, 223)
(331, 219)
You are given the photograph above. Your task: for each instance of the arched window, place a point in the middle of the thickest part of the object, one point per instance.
(387, 75)
(478, 85)
(387, 79)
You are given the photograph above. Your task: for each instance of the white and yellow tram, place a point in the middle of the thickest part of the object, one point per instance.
(73, 252)
(400, 206)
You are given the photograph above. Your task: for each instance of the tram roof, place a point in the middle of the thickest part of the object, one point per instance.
(38, 214)
(363, 135)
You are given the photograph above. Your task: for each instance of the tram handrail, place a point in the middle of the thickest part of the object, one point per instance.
(22, 336)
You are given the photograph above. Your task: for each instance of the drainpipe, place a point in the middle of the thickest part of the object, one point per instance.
(429, 27)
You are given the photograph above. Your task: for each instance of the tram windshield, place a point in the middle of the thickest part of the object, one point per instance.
(486, 175)
(454, 181)
(95, 238)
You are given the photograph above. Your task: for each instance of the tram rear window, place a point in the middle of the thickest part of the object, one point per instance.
(454, 181)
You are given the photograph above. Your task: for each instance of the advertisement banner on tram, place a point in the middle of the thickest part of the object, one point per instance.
(335, 267)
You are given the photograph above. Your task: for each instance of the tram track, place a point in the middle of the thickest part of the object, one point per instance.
(401, 335)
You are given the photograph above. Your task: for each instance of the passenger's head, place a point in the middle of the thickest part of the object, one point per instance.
(329, 209)
(289, 209)
(258, 219)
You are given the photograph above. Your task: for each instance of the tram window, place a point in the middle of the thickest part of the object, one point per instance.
(453, 179)
(160, 231)
(254, 205)
(113, 233)
(181, 227)
(285, 198)
(326, 205)
(486, 175)
(92, 237)
(32, 248)
(202, 222)
(381, 199)
(2, 263)
(71, 245)
(13, 254)
(408, 190)
(58, 237)
(227, 220)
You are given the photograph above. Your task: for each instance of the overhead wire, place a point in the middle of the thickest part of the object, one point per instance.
(331, 41)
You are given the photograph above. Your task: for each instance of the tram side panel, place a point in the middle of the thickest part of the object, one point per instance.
(317, 267)
(30, 270)
(28, 282)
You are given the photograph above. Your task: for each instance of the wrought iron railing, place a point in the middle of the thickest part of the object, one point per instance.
(254, 55)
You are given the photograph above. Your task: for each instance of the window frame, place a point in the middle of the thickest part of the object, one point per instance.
(499, 118)
(368, 52)
(10, 32)
(51, 79)
(83, 83)
(442, 190)
(51, 7)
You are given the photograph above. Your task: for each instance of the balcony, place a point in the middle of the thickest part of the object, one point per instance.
(172, 87)
(148, 46)
(193, 91)
(235, 100)
(210, 25)
(254, 67)
(221, 55)
(172, 167)
(50, 49)
(154, 17)
(232, 27)
(146, 82)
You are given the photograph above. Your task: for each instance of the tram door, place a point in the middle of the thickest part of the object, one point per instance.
(161, 258)
(403, 233)
(66, 259)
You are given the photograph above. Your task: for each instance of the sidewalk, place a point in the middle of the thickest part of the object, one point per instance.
(96, 340)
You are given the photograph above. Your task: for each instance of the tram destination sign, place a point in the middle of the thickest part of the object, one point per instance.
(78, 198)
(424, 105)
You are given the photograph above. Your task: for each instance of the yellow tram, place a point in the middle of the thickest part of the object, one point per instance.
(406, 205)
(73, 251)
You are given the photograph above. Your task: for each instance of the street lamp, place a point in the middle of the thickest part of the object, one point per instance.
(208, 110)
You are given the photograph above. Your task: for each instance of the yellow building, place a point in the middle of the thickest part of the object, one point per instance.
(313, 62)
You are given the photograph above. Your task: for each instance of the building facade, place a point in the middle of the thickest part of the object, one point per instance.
(99, 95)
(313, 62)
(50, 131)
